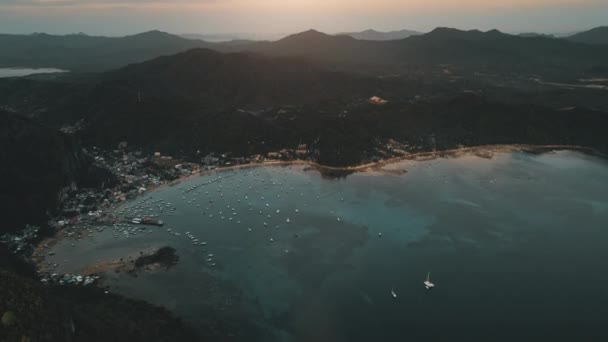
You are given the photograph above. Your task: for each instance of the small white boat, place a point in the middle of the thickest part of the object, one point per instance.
(393, 293)
(427, 283)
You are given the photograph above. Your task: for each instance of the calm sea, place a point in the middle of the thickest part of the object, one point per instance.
(516, 245)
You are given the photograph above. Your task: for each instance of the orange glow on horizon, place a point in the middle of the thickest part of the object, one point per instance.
(286, 5)
(281, 17)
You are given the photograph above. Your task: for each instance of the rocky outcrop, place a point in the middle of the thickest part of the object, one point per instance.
(164, 257)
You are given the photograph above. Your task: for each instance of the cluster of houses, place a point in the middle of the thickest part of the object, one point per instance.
(301, 152)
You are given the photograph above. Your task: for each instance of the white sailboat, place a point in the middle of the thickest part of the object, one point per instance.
(427, 283)
(393, 293)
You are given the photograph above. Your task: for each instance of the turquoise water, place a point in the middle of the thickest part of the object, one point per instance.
(516, 245)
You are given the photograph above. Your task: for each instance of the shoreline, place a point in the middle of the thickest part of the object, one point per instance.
(488, 152)
(484, 151)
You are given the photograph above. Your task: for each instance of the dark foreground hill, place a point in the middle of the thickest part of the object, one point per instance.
(203, 101)
(33, 312)
(233, 80)
(36, 162)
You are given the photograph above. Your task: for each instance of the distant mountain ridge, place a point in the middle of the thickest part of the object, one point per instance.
(78, 52)
(440, 46)
(322, 47)
(372, 34)
(84, 53)
(596, 36)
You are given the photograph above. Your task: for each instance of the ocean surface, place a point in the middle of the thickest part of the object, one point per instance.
(20, 72)
(517, 247)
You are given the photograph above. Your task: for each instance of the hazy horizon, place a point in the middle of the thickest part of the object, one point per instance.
(273, 18)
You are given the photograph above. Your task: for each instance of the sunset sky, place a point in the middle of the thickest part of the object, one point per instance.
(263, 17)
